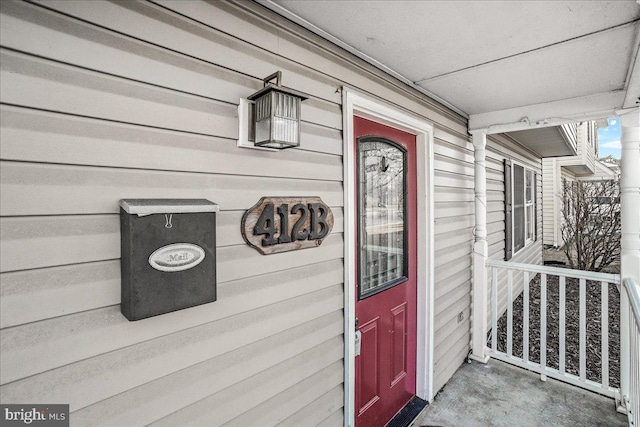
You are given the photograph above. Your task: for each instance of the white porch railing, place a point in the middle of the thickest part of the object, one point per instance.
(516, 278)
(632, 399)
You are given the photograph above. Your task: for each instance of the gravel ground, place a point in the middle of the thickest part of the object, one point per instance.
(572, 328)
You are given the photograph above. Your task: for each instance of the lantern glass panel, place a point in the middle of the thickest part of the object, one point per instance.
(285, 120)
(263, 118)
(277, 120)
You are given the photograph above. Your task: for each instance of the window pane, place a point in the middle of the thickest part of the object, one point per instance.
(518, 208)
(529, 206)
(531, 227)
(382, 225)
(529, 185)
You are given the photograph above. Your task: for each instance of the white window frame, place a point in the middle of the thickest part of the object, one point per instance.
(530, 207)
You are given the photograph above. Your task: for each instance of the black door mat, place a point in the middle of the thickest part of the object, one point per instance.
(408, 413)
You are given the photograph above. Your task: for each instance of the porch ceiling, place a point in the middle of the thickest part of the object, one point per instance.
(507, 65)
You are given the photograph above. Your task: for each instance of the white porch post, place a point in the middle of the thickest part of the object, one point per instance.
(630, 216)
(480, 252)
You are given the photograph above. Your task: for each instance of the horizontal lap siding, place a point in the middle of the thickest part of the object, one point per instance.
(550, 172)
(103, 116)
(454, 221)
(30, 242)
(322, 409)
(45, 137)
(567, 177)
(103, 101)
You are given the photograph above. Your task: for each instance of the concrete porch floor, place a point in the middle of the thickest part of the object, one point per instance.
(498, 394)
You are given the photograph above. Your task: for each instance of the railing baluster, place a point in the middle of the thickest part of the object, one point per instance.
(543, 325)
(583, 329)
(562, 338)
(634, 386)
(494, 309)
(630, 296)
(525, 314)
(507, 271)
(509, 313)
(604, 339)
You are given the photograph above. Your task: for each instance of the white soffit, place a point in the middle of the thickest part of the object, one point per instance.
(545, 142)
(483, 57)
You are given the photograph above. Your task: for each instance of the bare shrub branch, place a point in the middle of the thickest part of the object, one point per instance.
(591, 226)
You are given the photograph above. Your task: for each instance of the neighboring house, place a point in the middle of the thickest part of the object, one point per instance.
(103, 101)
(560, 171)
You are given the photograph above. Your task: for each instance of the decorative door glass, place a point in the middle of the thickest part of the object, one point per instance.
(382, 221)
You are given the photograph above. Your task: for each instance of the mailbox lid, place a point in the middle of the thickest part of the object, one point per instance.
(142, 207)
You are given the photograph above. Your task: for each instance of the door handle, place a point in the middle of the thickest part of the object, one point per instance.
(357, 340)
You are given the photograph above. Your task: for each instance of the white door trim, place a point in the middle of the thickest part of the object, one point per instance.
(357, 104)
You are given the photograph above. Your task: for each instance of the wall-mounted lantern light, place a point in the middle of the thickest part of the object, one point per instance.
(276, 114)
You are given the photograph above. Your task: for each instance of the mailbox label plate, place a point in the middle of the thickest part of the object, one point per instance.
(176, 257)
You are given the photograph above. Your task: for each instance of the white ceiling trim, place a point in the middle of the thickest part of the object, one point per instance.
(547, 114)
(318, 31)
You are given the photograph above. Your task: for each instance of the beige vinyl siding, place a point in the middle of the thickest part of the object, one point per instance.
(553, 217)
(499, 148)
(103, 101)
(551, 194)
(454, 221)
(569, 178)
(103, 116)
(586, 149)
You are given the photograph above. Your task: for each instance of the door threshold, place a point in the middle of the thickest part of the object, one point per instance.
(409, 413)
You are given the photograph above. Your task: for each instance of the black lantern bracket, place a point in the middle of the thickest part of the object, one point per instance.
(269, 119)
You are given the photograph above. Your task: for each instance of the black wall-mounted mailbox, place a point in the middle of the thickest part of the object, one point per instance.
(168, 257)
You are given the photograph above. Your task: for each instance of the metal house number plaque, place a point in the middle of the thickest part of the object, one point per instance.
(281, 224)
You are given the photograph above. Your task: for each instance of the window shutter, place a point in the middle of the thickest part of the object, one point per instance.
(508, 222)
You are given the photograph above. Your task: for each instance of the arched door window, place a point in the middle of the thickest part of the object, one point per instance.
(382, 225)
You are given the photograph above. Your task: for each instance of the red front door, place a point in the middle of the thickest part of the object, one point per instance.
(386, 271)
